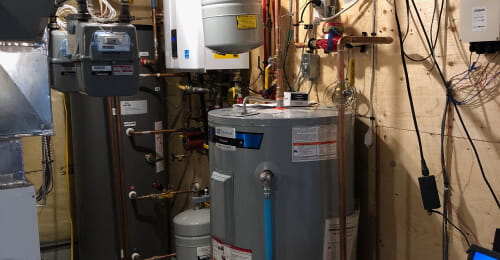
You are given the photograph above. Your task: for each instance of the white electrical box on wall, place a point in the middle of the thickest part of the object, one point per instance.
(184, 40)
(480, 20)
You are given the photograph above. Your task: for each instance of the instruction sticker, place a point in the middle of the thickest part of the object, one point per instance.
(314, 143)
(226, 147)
(479, 18)
(223, 251)
(331, 242)
(134, 107)
(246, 22)
(203, 252)
(129, 124)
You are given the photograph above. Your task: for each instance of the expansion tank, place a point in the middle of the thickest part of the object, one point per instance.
(298, 146)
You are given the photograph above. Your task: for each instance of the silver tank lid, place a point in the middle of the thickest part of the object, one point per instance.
(267, 116)
(192, 222)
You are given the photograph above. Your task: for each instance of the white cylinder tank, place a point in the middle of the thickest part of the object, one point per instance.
(232, 26)
(192, 234)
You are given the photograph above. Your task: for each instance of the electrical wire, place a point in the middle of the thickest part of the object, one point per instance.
(61, 14)
(287, 47)
(108, 15)
(455, 227)
(425, 169)
(476, 154)
(47, 176)
(304, 10)
(434, 42)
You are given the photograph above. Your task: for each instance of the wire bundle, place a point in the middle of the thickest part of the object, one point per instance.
(107, 12)
(48, 174)
(476, 84)
(61, 14)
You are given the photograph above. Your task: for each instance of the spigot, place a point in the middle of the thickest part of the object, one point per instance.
(265, 178)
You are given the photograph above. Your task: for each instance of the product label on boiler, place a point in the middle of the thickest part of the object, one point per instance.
(479, 18)
(314, 143)
(223, 251)
(134, 107)
(331, 241)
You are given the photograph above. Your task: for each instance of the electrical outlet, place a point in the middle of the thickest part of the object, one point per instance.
(309, 66)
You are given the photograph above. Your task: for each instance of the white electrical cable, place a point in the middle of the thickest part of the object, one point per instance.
(353, 3)
(108, 14)
(61, 14)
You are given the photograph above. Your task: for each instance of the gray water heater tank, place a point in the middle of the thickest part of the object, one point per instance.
(232, 26)
(192, 234)
(298, 146)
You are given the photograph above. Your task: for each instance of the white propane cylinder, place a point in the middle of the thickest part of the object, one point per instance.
(232, 26)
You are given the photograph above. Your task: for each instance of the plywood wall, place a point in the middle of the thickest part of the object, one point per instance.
(394, 224)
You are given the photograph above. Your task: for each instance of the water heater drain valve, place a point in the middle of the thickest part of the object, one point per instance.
(265, 178)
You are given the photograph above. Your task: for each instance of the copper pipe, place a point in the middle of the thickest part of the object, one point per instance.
(131, 131)
(122, 231)
(296, 23)
(159, 75)
(280, 91)
(341, 181)
(121, 164)
(340, 130)
(300, 45)
(161, 257)
(355, 40)
(156, 56)
(163, 195)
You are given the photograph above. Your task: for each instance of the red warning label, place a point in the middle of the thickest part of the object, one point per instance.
(222, 251)
(123, 70)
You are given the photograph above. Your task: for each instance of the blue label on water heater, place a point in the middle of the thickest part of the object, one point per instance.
(186, 54)
(241, 140)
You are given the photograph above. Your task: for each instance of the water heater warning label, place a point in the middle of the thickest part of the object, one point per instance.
(314, 143)
(332, 242)
(221, 251)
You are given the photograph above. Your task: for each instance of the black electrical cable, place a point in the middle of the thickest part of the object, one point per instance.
(305, 7)
(425, 169)
(477, 156)
(434, 42)
(285, 54)
(48, 175)
(454, 226)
